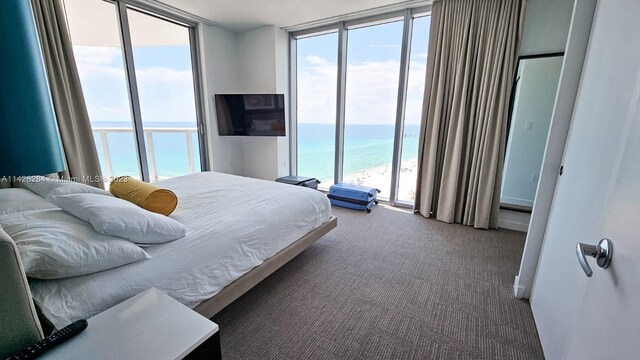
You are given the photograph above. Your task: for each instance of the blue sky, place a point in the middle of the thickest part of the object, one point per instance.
(166, 84)
(373, 62)
(163, 73)
(175, 57)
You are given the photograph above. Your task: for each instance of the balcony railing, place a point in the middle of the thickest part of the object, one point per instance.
(103, 133)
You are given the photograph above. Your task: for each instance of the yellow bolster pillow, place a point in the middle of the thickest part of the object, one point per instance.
(145, 195)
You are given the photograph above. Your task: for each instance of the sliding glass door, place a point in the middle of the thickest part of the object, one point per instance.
(162, 58)
(100, 60)
(365, 85)
(137, 74)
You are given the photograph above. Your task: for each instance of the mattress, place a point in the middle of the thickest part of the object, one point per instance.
(233, 225)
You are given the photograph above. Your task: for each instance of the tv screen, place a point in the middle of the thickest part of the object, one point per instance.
(250, 114)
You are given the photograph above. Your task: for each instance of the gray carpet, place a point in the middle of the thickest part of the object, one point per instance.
(388, 285)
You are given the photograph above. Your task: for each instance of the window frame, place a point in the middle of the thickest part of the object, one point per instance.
(342, 27)
(121, 7)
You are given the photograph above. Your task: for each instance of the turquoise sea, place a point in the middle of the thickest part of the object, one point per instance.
(366, 147)
(170, 148)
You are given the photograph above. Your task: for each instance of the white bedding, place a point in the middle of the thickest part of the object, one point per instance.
(233, 225)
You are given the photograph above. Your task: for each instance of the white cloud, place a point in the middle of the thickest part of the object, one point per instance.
(317, 87)
(372, 91)
(165, 94)
(316, 60)
(96, 55)
(415, 92)
(94, 62)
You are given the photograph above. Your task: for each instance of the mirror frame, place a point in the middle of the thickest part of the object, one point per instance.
(512, 98)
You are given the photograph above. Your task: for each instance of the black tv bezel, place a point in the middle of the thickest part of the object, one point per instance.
(284, 117)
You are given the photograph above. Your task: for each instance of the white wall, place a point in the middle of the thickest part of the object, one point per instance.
(532, 110)
(546, 26)
(545, 31)
(256, 74)
(255, 61)
(219, 52)
(282, 87)
(263, 68)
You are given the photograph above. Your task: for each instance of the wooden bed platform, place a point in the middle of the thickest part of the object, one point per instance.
(231, 292)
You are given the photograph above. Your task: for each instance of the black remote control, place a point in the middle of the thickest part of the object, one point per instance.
(51, 341)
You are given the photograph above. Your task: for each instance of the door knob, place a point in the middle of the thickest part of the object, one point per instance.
(602, 252)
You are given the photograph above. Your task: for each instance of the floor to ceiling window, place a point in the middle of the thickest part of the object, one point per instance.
(413, 109)
(358, 101)
(162, 58)
(316, 64)
(136, 70)
(373, 70)
(100, 61)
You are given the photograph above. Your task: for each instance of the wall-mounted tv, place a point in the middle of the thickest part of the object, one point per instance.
(250, 114)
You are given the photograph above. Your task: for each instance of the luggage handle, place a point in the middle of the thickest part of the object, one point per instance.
(301, 183)
(348, 200)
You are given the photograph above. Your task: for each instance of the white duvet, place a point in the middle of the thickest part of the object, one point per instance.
(233, 225)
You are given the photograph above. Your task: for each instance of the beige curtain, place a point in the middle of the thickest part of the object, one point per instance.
(73, 119)
(472, 59)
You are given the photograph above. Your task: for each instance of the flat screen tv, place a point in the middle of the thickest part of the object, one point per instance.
(250, 114)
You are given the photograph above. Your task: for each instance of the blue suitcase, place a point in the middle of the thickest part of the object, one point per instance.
(353, 196)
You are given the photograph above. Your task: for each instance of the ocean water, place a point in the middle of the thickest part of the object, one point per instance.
(365, 147)
(171, 155)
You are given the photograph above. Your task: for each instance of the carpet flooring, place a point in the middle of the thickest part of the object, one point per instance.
(388, 285)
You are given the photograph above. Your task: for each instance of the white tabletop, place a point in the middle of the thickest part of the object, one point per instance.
(150, 325)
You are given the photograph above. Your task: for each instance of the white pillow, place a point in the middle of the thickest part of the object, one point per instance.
(112, 216)
(16, 200)
(45, 186)
(77, 188)
(54, 245)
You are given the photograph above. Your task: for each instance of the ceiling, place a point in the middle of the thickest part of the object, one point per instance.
(95, 23)
(243, 15)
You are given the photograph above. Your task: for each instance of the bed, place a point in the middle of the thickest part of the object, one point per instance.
(239, 231)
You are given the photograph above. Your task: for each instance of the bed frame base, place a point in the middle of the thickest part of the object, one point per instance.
(231, 292)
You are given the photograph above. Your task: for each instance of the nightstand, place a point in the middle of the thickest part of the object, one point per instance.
(150, 325)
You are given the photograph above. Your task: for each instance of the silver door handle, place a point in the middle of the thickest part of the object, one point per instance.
(602, 252)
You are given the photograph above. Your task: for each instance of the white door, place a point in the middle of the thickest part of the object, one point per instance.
(609, 320)
(576, 315)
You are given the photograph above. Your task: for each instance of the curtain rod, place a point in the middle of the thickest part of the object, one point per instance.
(358, 14)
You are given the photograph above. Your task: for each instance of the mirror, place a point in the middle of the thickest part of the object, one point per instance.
(532, 106)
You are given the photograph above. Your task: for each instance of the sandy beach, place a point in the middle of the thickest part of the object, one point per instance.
(380, 177)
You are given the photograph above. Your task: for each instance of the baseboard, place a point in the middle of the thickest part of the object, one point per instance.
(516, 201)
(513, 225)
(518, 290)
(513, 220)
